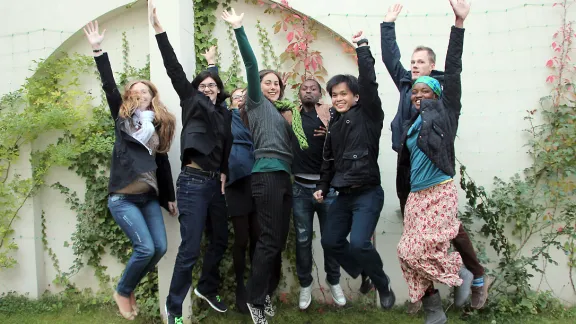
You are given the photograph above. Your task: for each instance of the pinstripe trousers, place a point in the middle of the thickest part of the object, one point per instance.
(272, 192)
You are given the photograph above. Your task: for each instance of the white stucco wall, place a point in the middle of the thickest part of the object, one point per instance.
(504, 56)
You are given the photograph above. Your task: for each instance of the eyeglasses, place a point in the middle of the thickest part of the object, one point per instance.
(209, 86)
(236, 97)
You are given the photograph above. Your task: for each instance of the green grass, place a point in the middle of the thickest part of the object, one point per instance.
(317, 314)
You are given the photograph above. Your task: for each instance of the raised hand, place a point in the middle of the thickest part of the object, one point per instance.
(356, 37)
(93, 35)
(210, 55)
(153, 17)
(393, 13)
(232, 18)
(461, 9)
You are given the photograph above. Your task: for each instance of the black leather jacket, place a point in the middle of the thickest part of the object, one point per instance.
(353, 141)
(129, 157)
(439, 119)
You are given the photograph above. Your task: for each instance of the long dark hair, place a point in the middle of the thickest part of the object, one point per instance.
(262, 73)
(265, 72)
(220, 97)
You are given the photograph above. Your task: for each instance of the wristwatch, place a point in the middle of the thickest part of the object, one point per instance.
(362, 41)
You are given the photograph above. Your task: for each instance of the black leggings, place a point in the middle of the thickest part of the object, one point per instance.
(246, 231)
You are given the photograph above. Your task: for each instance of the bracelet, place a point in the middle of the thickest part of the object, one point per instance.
(209, 65)
(97, 51)
(362, 41)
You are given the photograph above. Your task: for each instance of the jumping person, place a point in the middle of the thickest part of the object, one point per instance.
(140, 175)
(205, 144)
(306, 167)
(427, 150)
(271, 183)
(350, 165)
(239, 197)
(422, 64)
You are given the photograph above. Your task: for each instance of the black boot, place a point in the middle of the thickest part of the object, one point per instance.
(241, 305)
(366, 284)
(433, 309)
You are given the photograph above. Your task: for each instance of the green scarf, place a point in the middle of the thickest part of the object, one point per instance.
(296, 121)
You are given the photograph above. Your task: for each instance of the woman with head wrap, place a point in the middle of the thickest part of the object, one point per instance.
(430, 219)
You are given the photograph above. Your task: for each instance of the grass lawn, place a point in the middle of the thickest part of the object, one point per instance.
(324, 314)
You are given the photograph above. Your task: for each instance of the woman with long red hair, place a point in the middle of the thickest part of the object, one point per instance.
(140, 175)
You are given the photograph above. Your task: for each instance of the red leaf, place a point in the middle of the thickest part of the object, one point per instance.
(550, 79)
(314, 65)
(554, 44)
(273, 6)
(303, 46)
(568, 57)
(555, 35)
(285, 26)
(290, 37)
(550, 63)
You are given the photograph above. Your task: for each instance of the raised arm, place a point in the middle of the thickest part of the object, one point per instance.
(113, 96)
(371, 104)
(173, 68)
(250, 63)
(452, 94)
(390, 50)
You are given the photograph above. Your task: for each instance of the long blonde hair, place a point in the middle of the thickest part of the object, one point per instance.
(164, 121)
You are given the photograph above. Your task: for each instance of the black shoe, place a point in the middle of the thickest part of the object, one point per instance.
(171, 319)
(268, 308)
(387, 297)
(257, 314)
(242, 307)
(213, 301)
(241, 300)
(366, 286)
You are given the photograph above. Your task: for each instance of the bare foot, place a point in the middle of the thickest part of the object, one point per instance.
(124, 306)
(135, 309)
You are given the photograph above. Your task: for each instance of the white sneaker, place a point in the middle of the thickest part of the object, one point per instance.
(305, 297)
(337, 294)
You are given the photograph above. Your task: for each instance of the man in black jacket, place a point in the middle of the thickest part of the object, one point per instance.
(306, 168)
(423, 64)
(351, 167)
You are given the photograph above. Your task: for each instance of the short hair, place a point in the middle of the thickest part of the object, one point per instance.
(221, 97)
(431, 54)
(350, 80)
(310, 79)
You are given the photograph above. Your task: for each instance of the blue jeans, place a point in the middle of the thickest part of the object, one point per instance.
(202, 209)
(304, 207)
(140, 217)
(356, 213)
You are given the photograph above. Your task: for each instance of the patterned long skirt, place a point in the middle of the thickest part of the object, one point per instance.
(430, 223)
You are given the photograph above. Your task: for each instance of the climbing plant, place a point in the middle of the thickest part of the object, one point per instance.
(48, 101)
(539, 204)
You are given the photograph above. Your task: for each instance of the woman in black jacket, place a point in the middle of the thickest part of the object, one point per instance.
(205, 144)
(427, 150)
(140, 176)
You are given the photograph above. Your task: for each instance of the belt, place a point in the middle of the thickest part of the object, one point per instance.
(349, 190)
(207, 174)
(305, 181)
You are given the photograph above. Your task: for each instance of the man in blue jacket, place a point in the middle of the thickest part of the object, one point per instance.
(422, 63)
